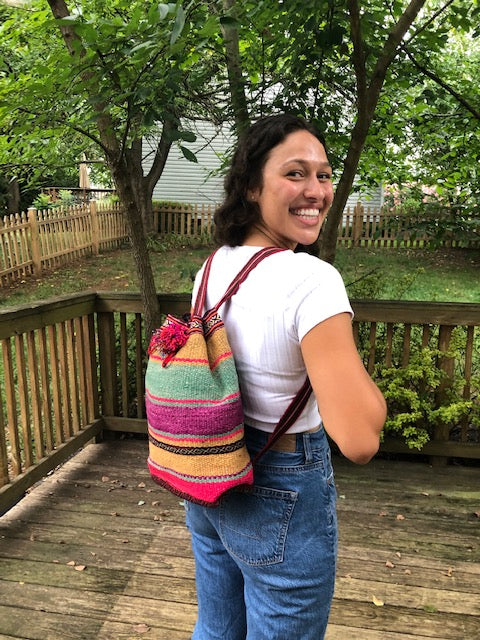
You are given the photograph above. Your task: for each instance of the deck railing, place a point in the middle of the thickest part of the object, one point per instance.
(74, 367)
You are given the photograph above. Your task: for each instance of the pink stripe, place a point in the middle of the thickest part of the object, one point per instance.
(232, 396)
(211, 439)
(220, 358)
(205, 491)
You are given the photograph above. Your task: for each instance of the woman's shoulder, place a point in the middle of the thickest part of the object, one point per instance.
(289, 267)
(303, 265)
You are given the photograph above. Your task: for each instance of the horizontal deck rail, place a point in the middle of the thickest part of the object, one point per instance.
(75, 366)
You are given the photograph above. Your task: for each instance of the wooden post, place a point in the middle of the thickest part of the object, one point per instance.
(95, 228)
(108, 365)
(446, 364)
(35, 242)
(357, 224)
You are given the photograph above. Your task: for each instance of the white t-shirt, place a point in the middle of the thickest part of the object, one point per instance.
(284, 297)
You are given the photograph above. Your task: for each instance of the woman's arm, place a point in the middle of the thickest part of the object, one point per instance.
(352, 407)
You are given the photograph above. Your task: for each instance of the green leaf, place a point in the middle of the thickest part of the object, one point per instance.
(188, 154)
(188, 136)
(142, 45)
(178, 25)
(210, 28)
(163, 11)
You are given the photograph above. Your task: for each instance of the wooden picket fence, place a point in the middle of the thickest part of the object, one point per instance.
(34, 242)
(191, 220)
(362, 226)
(37, 241)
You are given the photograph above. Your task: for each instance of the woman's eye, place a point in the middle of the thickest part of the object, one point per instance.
(295, 173)
(324, 176)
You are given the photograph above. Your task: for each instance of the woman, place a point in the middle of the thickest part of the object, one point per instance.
(265, 562)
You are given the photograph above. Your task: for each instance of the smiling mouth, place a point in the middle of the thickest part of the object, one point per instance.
(306, 213)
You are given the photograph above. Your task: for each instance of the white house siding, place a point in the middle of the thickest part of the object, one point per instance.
(190, 182)
(373, 198)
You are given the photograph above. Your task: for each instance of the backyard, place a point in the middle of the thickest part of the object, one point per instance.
(443, 275)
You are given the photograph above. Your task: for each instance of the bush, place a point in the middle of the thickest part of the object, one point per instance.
(43, 201)
(415, 406)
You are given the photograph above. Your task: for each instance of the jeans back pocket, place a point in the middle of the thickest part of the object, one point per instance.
(253, 526)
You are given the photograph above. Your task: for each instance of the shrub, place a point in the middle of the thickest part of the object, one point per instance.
(415, 406)
(43, 201)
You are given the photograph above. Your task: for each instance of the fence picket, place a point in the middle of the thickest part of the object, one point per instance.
(24, 399)
(12, 414)
(4, 475)
(46, 392)
(55, 377)
(35, 395)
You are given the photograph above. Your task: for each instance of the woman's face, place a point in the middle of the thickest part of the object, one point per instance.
(296, 193)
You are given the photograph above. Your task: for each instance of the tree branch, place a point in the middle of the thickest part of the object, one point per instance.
(390, 50)
(460, 99)
(64, 123)
(161, 155)
(429, 21)
(358, 54)
(104, 121)
(234, 70)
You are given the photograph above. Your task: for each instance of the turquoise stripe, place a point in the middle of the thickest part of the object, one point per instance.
(178, 382)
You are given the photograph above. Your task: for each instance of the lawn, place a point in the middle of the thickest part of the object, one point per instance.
(399, 274)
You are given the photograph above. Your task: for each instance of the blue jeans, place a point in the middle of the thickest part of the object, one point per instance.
(265, 561)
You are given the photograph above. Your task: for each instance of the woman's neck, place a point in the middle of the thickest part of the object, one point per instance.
(259, 237)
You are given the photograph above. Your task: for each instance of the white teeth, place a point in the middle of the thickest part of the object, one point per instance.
(306, 213)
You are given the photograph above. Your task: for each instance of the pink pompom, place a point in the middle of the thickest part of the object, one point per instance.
(169, 338)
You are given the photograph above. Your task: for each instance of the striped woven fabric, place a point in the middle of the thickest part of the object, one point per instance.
(194, 411)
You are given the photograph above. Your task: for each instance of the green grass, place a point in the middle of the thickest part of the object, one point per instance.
(398, 274)
(411, 274)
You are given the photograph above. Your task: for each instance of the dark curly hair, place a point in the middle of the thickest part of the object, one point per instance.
(237, 215)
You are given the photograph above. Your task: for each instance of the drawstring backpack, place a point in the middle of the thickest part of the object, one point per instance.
(194, 409)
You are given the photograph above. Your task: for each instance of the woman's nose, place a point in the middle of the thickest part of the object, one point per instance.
(315, 188)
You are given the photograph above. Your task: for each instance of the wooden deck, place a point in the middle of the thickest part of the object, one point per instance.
(98, 551)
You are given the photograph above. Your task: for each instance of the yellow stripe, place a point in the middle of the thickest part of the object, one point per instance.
(201, 465)
(186, 442)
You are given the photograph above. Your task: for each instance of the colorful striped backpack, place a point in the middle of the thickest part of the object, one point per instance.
(194, 409)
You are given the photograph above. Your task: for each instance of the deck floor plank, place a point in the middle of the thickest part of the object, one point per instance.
(97, 551)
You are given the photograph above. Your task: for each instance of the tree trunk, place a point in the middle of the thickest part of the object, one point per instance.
(367, 99)
(235, 76)
(126, 166)
(133, 201)
(328, 237)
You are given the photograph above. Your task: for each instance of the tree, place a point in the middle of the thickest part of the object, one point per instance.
(334, 62)
(434, 139)
(114, 72)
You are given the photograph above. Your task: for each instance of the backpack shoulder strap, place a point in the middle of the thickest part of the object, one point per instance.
(236, 282)
(299, 402)
(202, 290)
(290, 416)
